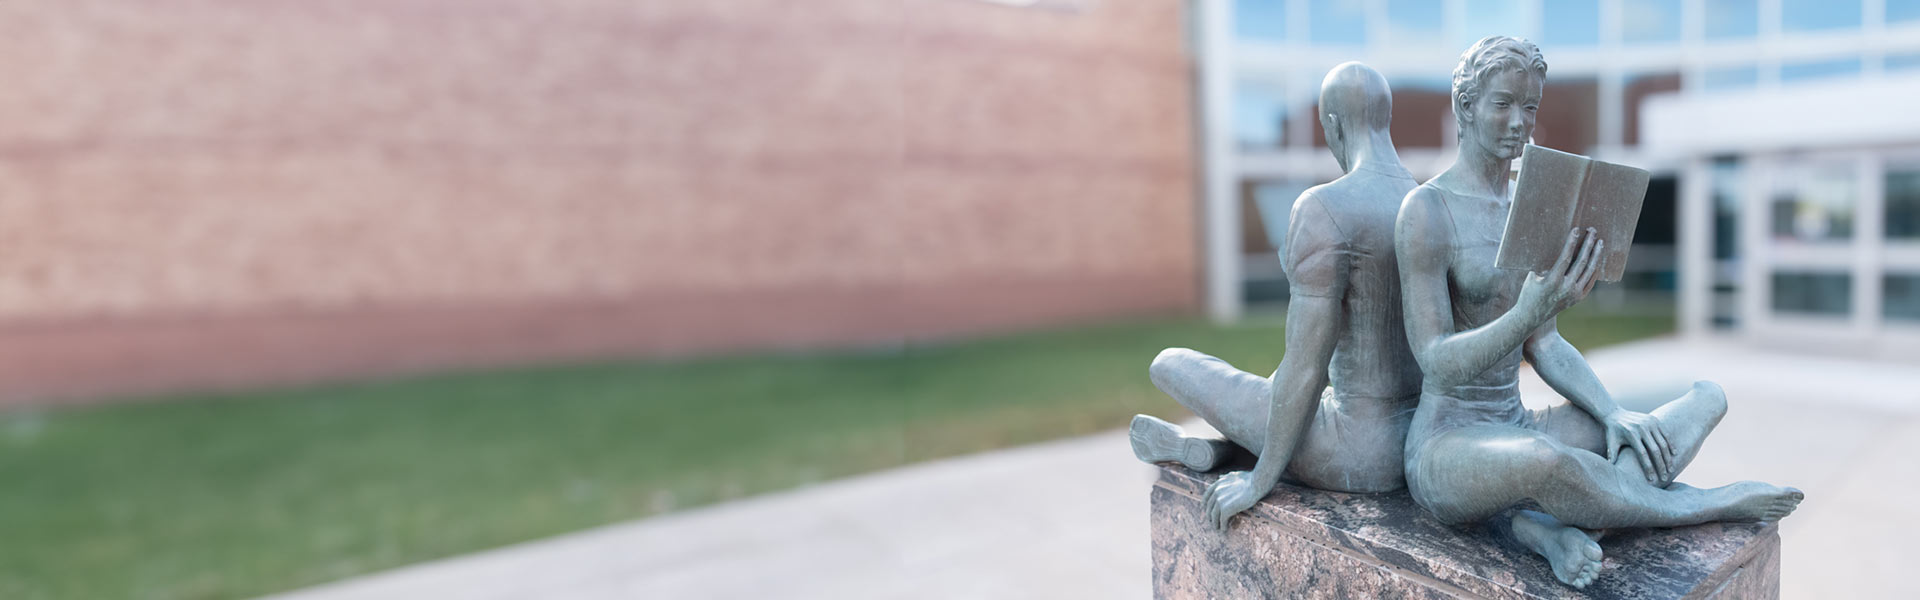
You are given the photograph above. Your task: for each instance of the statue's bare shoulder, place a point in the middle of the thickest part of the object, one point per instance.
(1315, 257)
(1423, 232)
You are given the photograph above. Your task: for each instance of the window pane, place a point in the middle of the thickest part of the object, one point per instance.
(1901, 297)
(1259, 109)
(1813, 293)
(1819, 15)
(1337, 22)
(1493, 17)
(1571, 23)
(1903, 62)
(1819, 69)
(1731, 78)
(1415, 21)
(1260, 20)
(1650, 20)
(1903, 11)
(1732, 19)
(1728, 185)
(1903, 205)
(1814, 205)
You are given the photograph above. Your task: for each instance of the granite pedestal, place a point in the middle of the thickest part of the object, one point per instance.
(1304, 543)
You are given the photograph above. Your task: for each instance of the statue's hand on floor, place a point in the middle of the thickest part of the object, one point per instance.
(1232, 493)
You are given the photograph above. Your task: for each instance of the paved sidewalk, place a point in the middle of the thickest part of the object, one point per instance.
(1069, 519)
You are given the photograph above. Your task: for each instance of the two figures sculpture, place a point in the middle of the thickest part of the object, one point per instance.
(1397, 304)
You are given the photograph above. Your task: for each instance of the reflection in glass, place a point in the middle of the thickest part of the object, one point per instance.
(1817, 293)
(1570, 23)
(1260, 20)
(1903, 11)
(1492, 17)
(1814, 205)
(1721, 79)
(1732, 19)
(1903, 62)
(1820, 69)
(1650, 21)
(1259, 110)
(1901, 297)
(1337, 22)
(1414, 21)
(1903, 204)
(1819, 15)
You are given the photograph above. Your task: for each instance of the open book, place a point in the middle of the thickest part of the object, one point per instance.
(1558, 192)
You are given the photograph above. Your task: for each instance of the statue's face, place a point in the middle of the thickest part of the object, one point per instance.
(1501, 118)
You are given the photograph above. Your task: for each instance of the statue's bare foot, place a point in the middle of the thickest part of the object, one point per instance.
(1757, 501)
(1575, 557)
(1158, 441)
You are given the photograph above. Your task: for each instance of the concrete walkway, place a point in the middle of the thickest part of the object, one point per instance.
(1068, 519)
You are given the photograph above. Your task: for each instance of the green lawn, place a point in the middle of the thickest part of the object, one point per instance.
(237, 495)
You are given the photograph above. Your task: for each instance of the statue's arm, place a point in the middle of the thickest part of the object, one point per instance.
(1567, 372)
(1423, 246)
(1316, 262)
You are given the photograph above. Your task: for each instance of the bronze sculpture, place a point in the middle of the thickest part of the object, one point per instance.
(1343, 327)
(1473, 450)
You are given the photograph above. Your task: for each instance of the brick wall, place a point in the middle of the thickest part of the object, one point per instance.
(206, 193)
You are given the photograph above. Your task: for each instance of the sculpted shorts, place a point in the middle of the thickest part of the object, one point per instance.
(1444, 413)
(1353, 444)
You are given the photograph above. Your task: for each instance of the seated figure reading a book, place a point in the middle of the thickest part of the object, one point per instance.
(1473, 450)
(1343, 326)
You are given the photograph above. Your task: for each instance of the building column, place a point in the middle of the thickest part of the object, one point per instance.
(1696, 264)
(1869, 246)
(1220, 234)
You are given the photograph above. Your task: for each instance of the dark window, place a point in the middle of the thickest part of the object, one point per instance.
(1657, 212)
(1901, 299)
(1813, 293)
(1903, 205)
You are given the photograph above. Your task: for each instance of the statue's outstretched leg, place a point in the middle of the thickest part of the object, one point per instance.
(1233, 401)
(1470, 473)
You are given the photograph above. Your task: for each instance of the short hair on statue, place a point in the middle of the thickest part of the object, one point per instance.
(1485, 58)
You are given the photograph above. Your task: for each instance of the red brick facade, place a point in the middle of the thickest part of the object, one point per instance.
(235, 192)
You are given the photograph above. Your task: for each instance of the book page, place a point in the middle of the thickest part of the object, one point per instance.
(1544, 202)
(1610, 204)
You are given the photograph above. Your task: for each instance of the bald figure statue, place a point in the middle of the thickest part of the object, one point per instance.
(1343, 326)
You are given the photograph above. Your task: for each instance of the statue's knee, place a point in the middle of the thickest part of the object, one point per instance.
(1166, 363)
(1711, 397)
(1552, 462)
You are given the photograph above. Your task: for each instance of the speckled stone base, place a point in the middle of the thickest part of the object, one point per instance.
(1303, 543)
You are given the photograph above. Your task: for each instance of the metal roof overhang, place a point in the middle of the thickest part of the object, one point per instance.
(1874, 112)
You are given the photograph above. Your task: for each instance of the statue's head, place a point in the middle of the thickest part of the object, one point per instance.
(1496, 90)
(1354, 102)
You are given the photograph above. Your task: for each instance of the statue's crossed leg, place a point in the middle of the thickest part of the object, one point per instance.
(1472, 473)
